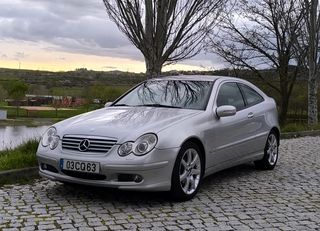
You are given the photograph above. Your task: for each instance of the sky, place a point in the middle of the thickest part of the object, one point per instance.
(62, 35)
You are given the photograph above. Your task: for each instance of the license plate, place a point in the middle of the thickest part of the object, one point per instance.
(80, 166)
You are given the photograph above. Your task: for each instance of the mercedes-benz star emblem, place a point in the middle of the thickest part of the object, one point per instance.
(84, 145)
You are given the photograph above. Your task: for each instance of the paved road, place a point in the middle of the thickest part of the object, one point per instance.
(241, 198)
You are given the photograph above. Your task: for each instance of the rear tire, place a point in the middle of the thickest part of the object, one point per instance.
(187, 172)
(271, 153)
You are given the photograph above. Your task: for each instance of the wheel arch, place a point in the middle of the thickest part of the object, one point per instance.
(277, 131)
(199, 143)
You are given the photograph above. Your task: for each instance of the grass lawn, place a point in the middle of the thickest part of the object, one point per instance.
(23, 113)
(298, 127)
(30, 122)
(22, 156)
(41, 117)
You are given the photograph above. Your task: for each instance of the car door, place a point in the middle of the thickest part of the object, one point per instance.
(256, 127)
(227, 134)
(236, 138)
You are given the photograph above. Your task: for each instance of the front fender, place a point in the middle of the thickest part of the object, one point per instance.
(175, 136)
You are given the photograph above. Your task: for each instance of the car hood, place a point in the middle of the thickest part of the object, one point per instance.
(124, 123)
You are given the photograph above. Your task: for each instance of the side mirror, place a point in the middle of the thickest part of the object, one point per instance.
(107, 104)
(226, 110)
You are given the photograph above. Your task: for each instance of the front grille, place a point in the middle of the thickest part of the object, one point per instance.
(97, 144)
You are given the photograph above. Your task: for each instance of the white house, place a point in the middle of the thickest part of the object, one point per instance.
(3, 115)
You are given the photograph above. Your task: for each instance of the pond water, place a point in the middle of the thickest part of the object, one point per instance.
(11, 137)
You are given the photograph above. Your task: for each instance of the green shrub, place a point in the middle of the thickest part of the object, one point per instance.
(20, 157)
(298, 127)
(293, 127)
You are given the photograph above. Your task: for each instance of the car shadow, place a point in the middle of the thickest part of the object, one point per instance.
(100, 194)
(231, 174)
(103, 194)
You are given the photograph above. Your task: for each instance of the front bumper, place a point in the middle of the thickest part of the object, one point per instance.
(155, 169)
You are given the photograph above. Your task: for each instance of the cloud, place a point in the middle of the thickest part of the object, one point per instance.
(20, 55)
(108, 67)
(208, 61)
(3, 56)
(71, 9)
(73, 26)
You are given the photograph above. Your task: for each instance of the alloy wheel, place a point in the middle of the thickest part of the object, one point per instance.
(190, 171)
(272, 149)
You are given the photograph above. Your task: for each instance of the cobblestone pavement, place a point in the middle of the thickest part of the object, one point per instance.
(241, 198)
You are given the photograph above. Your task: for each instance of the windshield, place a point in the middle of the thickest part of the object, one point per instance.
(169, 93)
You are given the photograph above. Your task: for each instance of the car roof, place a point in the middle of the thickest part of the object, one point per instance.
(196, 78)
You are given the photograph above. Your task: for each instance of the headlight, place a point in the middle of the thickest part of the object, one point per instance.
(145, 144)
(141, 146)
(125, 148)
(50, 138)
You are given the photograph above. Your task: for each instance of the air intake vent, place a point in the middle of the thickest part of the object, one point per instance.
(84, 175)
(87, 144)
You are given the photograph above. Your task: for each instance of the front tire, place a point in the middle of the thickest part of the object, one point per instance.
(271, 153)
(187, 172)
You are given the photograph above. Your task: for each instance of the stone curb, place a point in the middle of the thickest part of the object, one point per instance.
(290, 135)
(16, 174)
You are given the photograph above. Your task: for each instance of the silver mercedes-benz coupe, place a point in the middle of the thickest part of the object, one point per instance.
(165, 134)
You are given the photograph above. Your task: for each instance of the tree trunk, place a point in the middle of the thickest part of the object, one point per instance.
(284, 92)
(153, 68)
(284, 103)
(312, 60)
(312, 100)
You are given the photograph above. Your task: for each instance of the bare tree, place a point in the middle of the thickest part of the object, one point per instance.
(308, 49)
(165, 31)
(260, 35)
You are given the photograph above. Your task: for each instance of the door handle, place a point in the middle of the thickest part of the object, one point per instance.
(250, 115)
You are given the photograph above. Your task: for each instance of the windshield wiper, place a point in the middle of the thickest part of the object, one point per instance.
(159, 105)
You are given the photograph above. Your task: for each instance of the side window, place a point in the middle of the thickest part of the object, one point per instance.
(252, 97)
(229, 94)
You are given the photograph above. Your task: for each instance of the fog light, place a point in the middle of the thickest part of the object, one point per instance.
(44, 166)
(129, 178)
(137, 178)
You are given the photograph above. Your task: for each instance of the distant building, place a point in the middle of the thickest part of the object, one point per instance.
(38, 100)
(12, 102)
(3, 115)
(48, 100)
